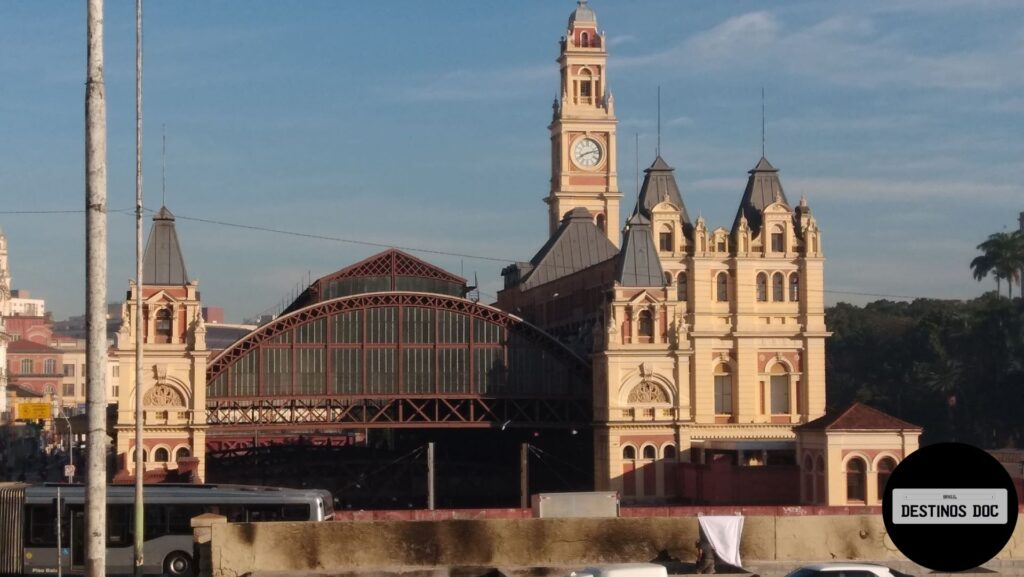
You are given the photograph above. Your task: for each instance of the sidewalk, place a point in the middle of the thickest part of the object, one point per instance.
(761, 568)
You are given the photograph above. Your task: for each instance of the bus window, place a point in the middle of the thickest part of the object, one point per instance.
(155, 521)
(179, 518)
(278, 513)
(119, 526)
(41, 526)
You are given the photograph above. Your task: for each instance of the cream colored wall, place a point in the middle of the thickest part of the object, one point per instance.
(840, 446)
(179, 365)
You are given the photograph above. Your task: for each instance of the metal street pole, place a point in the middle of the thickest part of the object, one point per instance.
(430, 475)
(140, 467)
(96, 295)
(524, 476)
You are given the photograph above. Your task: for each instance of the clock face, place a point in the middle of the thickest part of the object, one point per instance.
(586, 152)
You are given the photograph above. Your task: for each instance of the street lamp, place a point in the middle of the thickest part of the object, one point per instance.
(58, 412)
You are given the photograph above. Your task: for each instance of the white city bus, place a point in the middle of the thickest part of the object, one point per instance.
(28, 516)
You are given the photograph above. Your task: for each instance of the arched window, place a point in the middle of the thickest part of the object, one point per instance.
(762, 287)
(723, 390)
(780, 390)
(586, 86)
(161, 455)
(26, 366)
(145, 455)
(723, 287)
(163, 326)
(629, 452)
(682, 291)
(584, 40)
(856, 471)
(819, 479)
(650, 452)
(668, 279)
(721, 245)
(665, 238)
(778, 288)
(885, 468)
(794, 287)
(669, 452)
(778, 239)
(181, 453)
(645, 325)
(599, 220)
(50, 366)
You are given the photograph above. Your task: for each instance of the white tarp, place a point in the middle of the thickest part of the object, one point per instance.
(724, 532)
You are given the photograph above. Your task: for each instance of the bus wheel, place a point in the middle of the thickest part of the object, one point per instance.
(178, 564)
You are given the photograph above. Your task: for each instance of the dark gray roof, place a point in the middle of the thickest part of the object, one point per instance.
(638, 260)
(163, 263)
(660, 185)
(576, 245)
(583, 13)
(763, 187)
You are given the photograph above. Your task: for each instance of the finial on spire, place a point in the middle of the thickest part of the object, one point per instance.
(659, 120)
(163, 167)
(803, 200)
(778, 195)
(762, 122)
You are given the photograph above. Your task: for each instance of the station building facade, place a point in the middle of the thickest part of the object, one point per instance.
(707, 343)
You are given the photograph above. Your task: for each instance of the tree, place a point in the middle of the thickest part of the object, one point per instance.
(1003, 257)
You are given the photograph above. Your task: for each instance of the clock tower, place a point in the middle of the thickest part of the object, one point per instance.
(583, 153)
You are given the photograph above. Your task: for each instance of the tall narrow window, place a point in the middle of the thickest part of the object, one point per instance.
(762, 287)
(682, 291)
(723, 287)
(584, 40)
(50, 366)
(885, 469)
(586, 86)
(665, 238)
(163, 326)
(26, 366)
(723, 390)
(778, 240)
(856, 472)
(600, 221)
(668, 279)
(645, 326)
(794, 287)
(778, 288)
(780, 390)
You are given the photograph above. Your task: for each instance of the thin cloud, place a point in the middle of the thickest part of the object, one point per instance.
(847, 50)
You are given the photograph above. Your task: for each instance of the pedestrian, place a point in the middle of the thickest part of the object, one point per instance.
(705, 555)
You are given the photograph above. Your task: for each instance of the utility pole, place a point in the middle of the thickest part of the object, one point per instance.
(430, 475)
(140, 467)
(96, 294)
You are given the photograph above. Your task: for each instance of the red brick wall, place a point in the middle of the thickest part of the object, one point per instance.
(722, 483)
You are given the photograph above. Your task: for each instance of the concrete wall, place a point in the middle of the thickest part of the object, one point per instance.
(238, 549)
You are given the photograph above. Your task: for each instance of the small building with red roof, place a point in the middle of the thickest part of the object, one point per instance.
(847, 455)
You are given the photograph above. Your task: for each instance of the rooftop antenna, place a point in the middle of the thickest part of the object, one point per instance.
(659, 120)
(762, 122)
(163, 166)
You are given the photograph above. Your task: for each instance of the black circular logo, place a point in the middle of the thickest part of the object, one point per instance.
(949, 507)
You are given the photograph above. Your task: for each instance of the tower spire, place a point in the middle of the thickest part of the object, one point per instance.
(659, 120)
(762, 122)
(163, 166)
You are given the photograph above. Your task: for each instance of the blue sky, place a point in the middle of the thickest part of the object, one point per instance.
(423, 124)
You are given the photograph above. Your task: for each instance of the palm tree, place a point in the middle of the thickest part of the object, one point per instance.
(1003, 258)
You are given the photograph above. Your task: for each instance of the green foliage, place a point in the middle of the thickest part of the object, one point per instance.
(956, 368)
(1003, 257)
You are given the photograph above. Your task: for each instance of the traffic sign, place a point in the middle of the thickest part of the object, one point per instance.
(69, 471)
(34, 411)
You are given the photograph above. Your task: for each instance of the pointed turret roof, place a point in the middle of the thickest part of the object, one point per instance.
(763, 188)
(638, 260)
(577, 244)
(659, 186)
(163, 263)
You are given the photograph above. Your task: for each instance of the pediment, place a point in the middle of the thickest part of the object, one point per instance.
(643, 298)
(160, 297)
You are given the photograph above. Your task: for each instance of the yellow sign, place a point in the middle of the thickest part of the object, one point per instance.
(34, 411)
